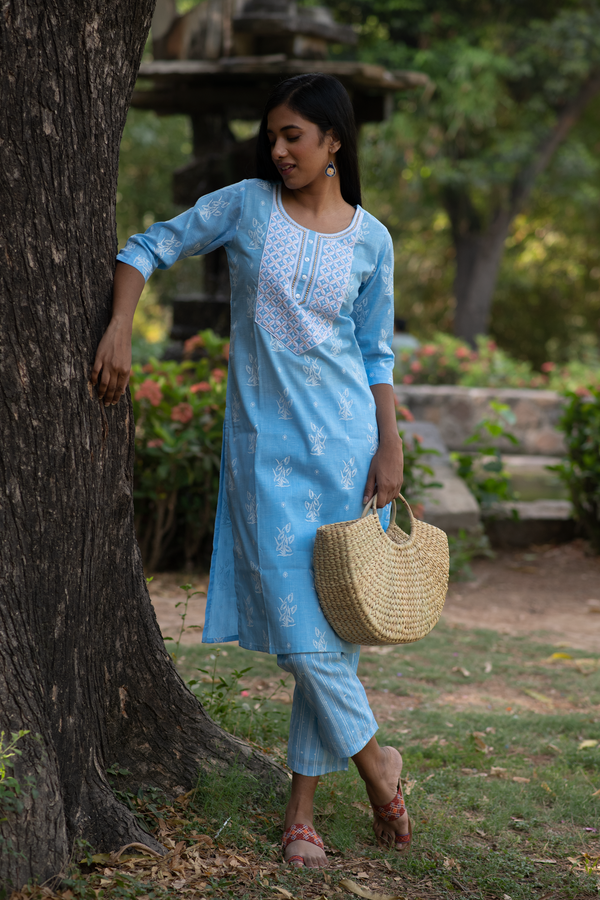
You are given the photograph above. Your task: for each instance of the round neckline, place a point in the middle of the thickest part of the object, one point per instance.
(322, 234)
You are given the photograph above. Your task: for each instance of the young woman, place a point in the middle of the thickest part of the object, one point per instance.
(310, 430)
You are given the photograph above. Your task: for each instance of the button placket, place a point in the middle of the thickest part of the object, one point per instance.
(305, 269)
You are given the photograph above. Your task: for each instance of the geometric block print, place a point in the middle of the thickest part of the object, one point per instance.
(299, 311)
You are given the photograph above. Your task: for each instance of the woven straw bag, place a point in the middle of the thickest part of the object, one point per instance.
(381, 587)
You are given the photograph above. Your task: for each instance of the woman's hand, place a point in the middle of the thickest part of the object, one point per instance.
(113, 356)
(386, 472)
(387, 466)
(112, 365)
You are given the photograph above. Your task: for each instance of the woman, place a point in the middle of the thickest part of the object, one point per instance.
(310, 430)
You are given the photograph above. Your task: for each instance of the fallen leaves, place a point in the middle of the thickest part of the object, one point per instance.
(587, 745)
(462, 671)
(359, 891)
(541, 698)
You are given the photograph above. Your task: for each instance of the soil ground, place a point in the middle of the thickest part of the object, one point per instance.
(551, 594)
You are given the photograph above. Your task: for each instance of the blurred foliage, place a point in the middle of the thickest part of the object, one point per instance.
(449, 360)
(581, 469)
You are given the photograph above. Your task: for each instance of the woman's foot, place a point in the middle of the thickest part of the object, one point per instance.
(299, 816)
(381, 771)
(300, 852)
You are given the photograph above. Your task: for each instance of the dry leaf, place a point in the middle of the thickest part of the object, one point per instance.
(462, 671)
(408, 786)
(479, 742)
(284, 893)
(487, 668)
(363, 807)
(547, 788)
(541, 698)
(587, 745)
(521, 780)
(498, 771)
(549, 861)
(596, 793)
(365, 892)
(559, 656)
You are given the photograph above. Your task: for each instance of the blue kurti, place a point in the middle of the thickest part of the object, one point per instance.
(311, 326)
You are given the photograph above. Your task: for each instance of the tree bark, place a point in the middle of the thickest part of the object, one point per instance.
(479, 249)
(82, 662)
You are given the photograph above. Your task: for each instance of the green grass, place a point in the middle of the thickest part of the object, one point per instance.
(475, 829)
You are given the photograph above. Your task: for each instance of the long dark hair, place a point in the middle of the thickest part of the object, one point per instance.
(321, 99)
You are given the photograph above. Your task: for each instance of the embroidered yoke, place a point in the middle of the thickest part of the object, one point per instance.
(311, 328)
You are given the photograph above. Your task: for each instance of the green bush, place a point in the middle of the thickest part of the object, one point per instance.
(179, 410)
(448, 360)
(581, 469)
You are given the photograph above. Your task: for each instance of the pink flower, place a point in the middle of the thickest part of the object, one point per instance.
(582, 392)
(405, 413)
(245, 693)
(429, 350)
(183, 413)
(193, 342)
(416, 366)
(156, 442)
(225, 351)
(548, 367)
(492, 345)
(462, 353)
(408, 379)
(218, 375)
(201, 386)
(149, 390)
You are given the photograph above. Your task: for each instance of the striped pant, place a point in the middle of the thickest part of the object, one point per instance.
(331, 716)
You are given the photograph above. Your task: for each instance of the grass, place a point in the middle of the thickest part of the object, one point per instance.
(500, 793)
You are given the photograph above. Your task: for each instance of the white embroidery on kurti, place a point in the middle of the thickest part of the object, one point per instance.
(249, 611)
(286, 611)
(363, 232)
(251, 518)
(252, 370)
(250, 301)
(166, 246)
(345, 405)
(361, 311)
(265, 185)
(320, 644)
(383, 341)
(282, 470)
(299, 312)
(313, 506)
(252, 442)
(336, 343)
(257, 234)
(237, 548)
(235, 406)
(388, 280)
(144, 265)
(284, 405)
(358, 370)
(214, 208)
(256, 579)
(231, 474)
(317, 439)
(348, 473)
(275, 345)
(284, 540)
(312, 370)
(373, 439)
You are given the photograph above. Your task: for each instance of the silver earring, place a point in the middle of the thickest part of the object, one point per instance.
(330, 170)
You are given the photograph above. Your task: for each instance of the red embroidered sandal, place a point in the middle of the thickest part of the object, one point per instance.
(392, 811)
(300, 832)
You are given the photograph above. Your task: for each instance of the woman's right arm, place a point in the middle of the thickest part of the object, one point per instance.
(113, 357)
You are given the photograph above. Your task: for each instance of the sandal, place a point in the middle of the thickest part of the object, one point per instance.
(392, 811)
(300, 832)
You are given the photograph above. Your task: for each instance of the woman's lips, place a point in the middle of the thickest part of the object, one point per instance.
(285, 170)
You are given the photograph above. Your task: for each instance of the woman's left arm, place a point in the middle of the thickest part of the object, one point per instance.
(386, 470)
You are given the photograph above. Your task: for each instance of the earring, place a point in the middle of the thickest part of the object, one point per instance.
(330, 170)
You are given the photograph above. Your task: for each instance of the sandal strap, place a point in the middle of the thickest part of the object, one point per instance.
(392, 810)
(300, 832)
(295, 859)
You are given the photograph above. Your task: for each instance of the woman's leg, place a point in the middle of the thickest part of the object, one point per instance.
(380, 769)
(331, 721)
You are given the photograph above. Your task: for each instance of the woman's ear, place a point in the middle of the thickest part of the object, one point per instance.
(334, 142)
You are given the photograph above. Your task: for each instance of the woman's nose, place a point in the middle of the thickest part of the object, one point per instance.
(279, 149)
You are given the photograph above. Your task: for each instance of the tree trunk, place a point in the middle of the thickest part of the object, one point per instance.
(82, 662)
(478, 258)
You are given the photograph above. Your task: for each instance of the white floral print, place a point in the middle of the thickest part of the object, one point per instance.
(284, 540)
(252, 370)
(281, 472)
(286, 611)
(215, 207)
(348, 474)
(257, 234)
(249, 611)
(251, 512)
(373, 439)
(312, 370)
(317, 439)
(256, 579)
(313, 506)
(284, 405)
(320, 644)
(167, 246)
(345, 405)
(252, 442)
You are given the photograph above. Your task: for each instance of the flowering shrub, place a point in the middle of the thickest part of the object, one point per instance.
(179, 410)
(448, 360)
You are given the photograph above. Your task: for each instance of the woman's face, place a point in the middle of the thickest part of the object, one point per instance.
(298, 148)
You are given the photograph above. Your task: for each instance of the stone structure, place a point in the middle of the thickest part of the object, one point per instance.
(218, 63)
(457, 410)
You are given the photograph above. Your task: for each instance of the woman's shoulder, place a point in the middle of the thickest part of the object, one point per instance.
(373, 231)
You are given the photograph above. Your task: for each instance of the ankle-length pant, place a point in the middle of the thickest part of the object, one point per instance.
(331, 716)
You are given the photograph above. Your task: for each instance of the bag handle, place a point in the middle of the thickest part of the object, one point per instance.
(372, 505)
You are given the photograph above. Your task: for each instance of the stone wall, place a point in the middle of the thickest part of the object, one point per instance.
(457, 410)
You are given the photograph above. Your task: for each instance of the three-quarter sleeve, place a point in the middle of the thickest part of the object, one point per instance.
(212, 222)
(373, 315)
